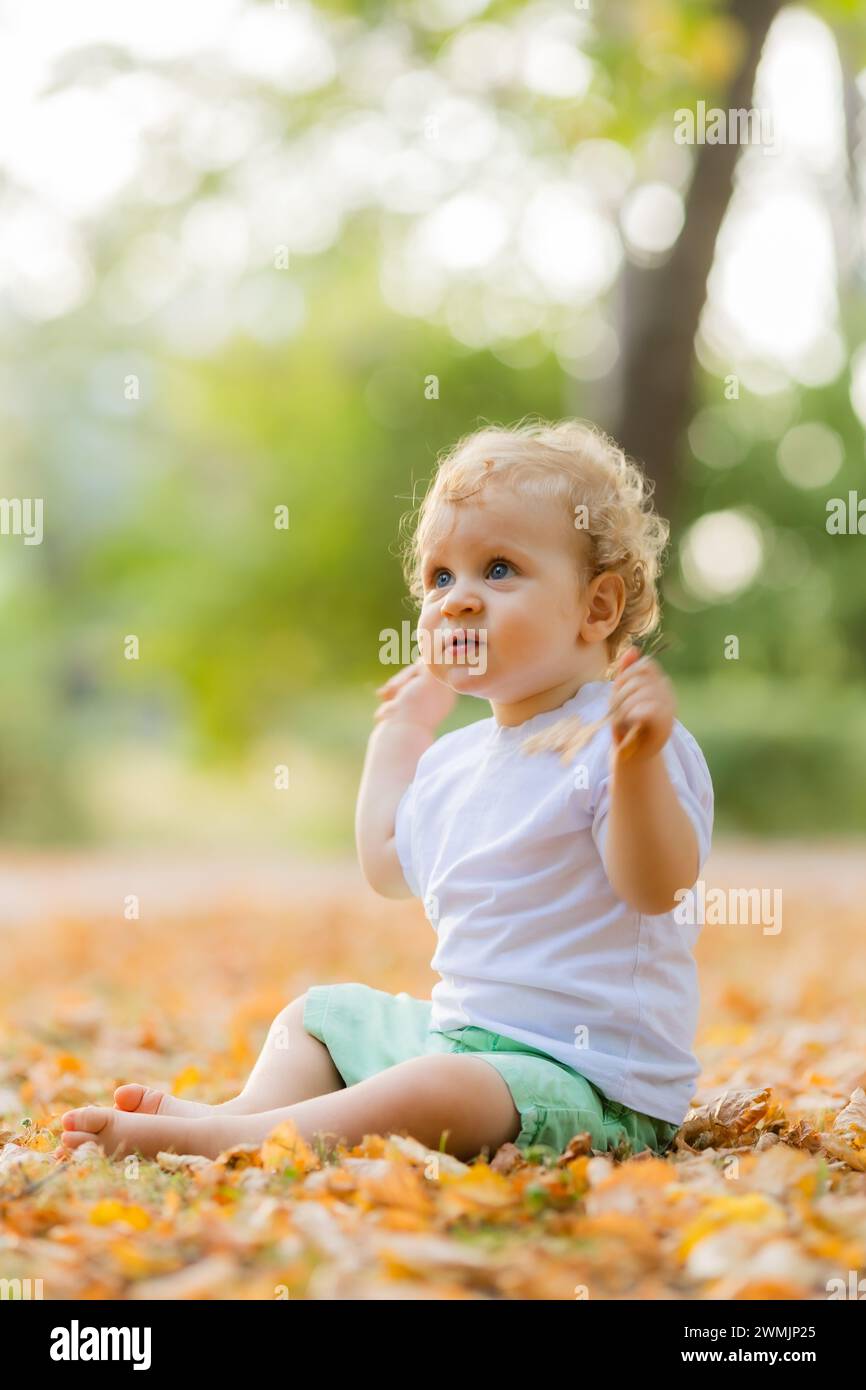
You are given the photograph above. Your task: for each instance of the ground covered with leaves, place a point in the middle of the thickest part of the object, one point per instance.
(763, 1195)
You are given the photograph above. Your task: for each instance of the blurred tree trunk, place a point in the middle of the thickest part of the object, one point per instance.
(662, 305)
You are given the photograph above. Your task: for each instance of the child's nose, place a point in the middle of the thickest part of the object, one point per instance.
(460, 600)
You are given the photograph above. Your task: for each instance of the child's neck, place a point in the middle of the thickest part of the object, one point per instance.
(508, 714)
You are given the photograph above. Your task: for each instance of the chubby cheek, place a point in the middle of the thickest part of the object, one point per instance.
(519, 625)
(428, 614)
(428, 622)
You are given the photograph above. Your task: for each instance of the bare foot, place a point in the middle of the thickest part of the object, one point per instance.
(144, 1100)
(118, 1132)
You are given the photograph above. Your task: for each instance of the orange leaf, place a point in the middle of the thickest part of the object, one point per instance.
(65, 1061)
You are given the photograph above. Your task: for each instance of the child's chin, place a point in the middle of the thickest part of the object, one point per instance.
(466, 679)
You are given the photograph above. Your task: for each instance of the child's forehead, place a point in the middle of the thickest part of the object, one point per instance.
(521, 519)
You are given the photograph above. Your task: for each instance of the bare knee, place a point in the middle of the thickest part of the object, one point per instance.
(287, 1033)
(469, 1096)
(288, 1023)
(292, 1014)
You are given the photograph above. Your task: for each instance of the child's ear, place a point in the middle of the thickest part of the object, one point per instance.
(605, 600)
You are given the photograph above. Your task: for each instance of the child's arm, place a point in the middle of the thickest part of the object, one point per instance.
(414, 702)
(393, 751)
(652, 848)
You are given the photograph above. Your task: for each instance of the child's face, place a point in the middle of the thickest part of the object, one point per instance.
(527, 607)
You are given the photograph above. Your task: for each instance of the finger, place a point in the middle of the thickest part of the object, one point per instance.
(629, 717)
(627, 702)
(628, 657)
(625, 676)
(642, 719)
(639, 691)
(629, 744)
(630, 737)
(637, 706)
(642, 713)
(637, 679)
(638, 667)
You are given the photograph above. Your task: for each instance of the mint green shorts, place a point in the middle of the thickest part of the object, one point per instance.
(367, 1030)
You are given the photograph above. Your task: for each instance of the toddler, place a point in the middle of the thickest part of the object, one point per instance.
(550, 865)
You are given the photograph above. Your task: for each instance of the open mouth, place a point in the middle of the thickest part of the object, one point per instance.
(464, 643)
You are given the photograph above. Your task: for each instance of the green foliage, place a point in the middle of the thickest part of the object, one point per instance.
(161, 514)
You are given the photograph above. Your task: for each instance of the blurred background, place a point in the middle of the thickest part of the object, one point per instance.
(277, 256)
(259, 264)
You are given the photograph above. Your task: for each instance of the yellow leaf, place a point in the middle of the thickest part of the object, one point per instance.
(238, 1158)
(577, 1167)
(847, 1139)
(284, 1146)
(751, 1207)
(131, 1260)
(185, 1080)
(109, 1209)
(850, 1123)
(480, 1186)
(846, 1253)
(398, 1185)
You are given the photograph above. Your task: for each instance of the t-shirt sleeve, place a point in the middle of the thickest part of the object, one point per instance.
(403, 837)
(690, 778)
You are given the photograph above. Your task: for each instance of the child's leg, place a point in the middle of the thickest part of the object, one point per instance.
(292, 1066)
(464, 1097)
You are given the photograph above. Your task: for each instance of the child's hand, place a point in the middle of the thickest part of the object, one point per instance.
(415, 695)
(642, 708)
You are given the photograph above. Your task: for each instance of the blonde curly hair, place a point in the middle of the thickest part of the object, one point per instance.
(576, 463)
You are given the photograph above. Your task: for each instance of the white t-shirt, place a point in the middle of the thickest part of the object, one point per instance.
(506, 850)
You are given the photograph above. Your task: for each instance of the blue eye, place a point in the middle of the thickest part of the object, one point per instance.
(494, 564)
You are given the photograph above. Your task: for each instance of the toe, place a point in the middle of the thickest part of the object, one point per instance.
(72, 1138)
(141, 1098)
(129, 1097)
(91, 1119)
